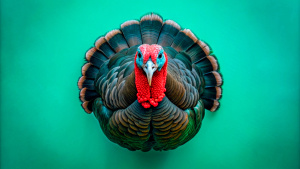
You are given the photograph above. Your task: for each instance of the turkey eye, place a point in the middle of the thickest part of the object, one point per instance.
(139, 55)
(159, 56)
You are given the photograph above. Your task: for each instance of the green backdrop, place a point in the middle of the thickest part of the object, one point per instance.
(43, 44)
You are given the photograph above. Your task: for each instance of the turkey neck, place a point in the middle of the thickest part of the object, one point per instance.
(157, 89)
(150, 95)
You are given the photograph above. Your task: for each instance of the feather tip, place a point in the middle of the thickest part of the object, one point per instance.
(190, 34)
(85, 68)
(172, 23)
(218, 92)
(99, 42)
(90, 53)
(213, 62)
(215, 106)
(112, 33)
(85, 107)
(130, 22)
(80, 81)
(82, 94)
(218, 78)
(204, 47)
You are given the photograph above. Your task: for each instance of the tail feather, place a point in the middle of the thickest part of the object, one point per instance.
(88, 95)
(168, 33)
(83, 82)
(184, 40)
(208, 64)
(87, 106)
(116, 40)
(89, 70)
(203, 59)
(102, 45)
(212, 93)
(170, 51)
(211, 105)
(150, 28)
(96, 57)
(196, 52)
(213, 79)
(206, 48)
(132, 33)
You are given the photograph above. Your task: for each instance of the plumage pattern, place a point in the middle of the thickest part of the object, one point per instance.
(110, 85)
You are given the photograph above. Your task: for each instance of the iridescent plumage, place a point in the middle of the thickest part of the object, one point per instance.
(149, 83)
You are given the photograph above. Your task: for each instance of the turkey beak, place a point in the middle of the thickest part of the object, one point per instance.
(149, 69)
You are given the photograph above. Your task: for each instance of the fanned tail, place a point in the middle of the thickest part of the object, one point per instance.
(181, 44)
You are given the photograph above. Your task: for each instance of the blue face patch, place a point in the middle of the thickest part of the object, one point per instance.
(160, 60)
(139, 59)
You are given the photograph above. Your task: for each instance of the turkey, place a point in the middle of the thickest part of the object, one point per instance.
(149, 83)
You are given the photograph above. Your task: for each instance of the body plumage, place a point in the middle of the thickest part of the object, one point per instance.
(149, 84)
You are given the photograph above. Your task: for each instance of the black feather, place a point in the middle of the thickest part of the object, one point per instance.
(90, 105)
(196, 53)
(88, 83)
(211, 105)
(91, 72)
(182, 56)
(101, 44)
(90, 95)
(184, 40)
(212, 93)
(97, 58)
(150, 28)
(116, 40)
(207, 64)
(132, 33)
(167, 34)
(212, 79)
(171, 52)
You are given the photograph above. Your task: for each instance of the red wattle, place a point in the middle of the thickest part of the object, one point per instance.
(150, 95)
(157, 88)
(142, 87)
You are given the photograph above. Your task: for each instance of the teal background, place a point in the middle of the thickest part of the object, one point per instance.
(43, 44)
